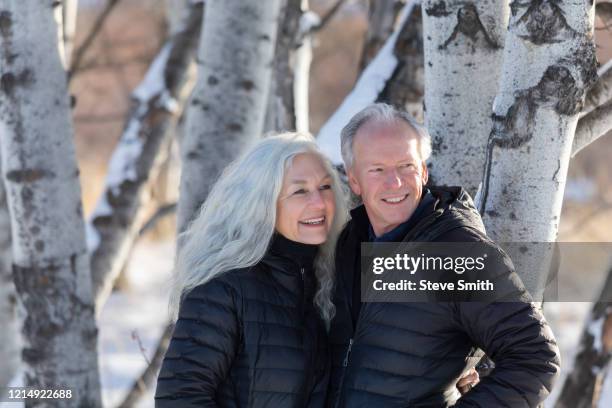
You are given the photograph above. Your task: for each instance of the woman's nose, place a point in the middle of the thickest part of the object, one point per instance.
(316, 200)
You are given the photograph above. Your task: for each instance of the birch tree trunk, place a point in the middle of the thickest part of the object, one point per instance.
(157, 102)
(50, 259)
(228, 104)
(583, 385)
(69, 21)
(463, 44)
(280, 112)
(549, 63)
(10, 347)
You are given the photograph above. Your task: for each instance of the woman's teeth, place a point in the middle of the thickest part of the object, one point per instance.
(314, 221)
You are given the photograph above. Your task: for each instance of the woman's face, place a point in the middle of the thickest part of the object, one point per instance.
(306, 205)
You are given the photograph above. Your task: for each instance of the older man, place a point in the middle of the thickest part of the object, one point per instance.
(412, 354)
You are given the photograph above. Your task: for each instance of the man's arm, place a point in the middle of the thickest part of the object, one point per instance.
(518, 339)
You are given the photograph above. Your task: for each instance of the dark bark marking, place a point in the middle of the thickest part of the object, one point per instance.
(493, 214)
(28, 175)
(56, 3)
(554, 177)
(247, 85)
(438, 10)
(212, 80)
(544, 20)
(234, 127)
(469, 24)
(6, 24)
(39, 245)
(10, 81)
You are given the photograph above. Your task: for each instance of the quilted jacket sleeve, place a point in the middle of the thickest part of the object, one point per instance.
(203, 346)
(521, 344)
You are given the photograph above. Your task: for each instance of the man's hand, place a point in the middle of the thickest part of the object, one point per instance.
(468, 381)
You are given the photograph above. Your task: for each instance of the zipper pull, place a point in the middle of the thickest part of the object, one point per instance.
(302, 273)
(348, 352)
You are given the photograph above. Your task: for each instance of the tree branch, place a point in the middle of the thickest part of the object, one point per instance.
(148, 376)
(592, 126)
(95, 30)
(115, 222)
(323, 21)
(155, 218)
(601, 91)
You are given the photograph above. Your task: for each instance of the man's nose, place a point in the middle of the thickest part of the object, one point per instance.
(393, 180)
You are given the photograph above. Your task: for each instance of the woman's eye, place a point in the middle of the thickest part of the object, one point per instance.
(376, 170)
(325, 187)
(300, 191)
(408, 166)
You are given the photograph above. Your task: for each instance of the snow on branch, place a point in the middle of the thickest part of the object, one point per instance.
(369, 86)
(115, 222)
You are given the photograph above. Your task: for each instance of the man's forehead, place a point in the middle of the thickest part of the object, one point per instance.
(382, 129)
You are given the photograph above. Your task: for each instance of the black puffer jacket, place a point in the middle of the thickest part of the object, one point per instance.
(412, 354)
(250, 338)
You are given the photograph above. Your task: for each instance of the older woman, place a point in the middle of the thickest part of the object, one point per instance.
(253, 284)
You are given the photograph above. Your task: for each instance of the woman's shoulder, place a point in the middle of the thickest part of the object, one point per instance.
(230, 282)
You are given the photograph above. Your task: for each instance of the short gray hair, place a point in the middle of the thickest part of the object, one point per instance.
(385, 114)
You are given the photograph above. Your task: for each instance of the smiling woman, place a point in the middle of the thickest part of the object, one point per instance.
(253, 283)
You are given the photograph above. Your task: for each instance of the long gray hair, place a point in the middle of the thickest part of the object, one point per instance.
(236, 223)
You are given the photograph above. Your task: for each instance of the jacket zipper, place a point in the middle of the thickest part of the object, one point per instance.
(348, 353)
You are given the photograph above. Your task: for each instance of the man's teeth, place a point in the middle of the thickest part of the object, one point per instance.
(314, 221)
(395, 200)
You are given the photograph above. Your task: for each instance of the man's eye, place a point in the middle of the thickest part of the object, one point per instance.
(325, 187)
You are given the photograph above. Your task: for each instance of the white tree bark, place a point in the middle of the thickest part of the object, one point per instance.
(301, 68)
(549, 63)
(69, 21)
(463, 44)
(280, 111)
(157, 104)
(228, 105)
(10, 339)
(50, 259)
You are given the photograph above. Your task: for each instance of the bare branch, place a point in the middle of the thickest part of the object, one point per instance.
(161, 212)
(601, 91)
(323, 21)
(592, 126)
(147, 378)
(95, 30)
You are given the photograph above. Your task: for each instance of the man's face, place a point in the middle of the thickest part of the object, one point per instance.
(387, 173)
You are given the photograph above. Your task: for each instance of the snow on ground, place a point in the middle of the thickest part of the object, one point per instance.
(133, 319)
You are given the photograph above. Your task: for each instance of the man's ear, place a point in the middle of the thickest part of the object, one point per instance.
(353, 182)
(425, 173)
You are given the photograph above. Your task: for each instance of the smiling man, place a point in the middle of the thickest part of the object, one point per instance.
(413, 354)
